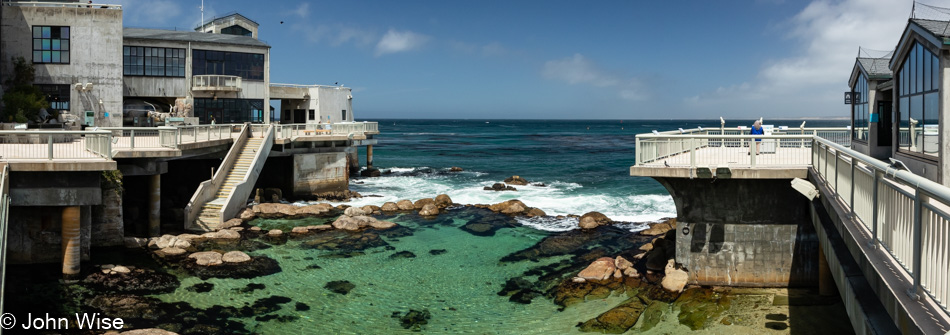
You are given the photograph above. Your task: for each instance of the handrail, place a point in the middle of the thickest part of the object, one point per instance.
(304, 86)
(4, 220)
(206, 189)
(243, 189)
(96, 142)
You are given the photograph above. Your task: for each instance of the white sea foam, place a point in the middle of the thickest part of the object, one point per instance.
(557, 198)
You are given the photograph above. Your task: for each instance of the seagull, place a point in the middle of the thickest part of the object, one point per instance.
(666, 163)
(281, 22)
(336, 83)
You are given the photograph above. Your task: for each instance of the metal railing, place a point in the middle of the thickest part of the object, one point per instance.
(206, 132)
(907, 214)
(216, 82)
(290, 131)
(132, 138)
(304, 86)
(4, 220)
(49, 145)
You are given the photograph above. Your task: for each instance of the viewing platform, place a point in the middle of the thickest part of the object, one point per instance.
(875, 231)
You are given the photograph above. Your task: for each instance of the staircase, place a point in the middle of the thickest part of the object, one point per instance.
(219, 199)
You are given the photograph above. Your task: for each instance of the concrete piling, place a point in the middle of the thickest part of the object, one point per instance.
(369, 156)
(71, 243)
(154, 206)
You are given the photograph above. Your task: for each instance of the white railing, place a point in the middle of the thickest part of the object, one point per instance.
(215, 82)
(131, 138)
(60, 4)
(303, 86)
(4, 220)
(721, 150)
(206, 132)
(346, 128)
(206, 190)
(49, 145)
(907, 214)
(289, 131)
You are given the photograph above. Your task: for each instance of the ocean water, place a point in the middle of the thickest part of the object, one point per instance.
(584, 164)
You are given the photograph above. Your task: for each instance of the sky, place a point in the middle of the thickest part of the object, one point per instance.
(551, 59)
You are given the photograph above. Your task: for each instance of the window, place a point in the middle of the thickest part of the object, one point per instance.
(859, 109)
(236, 30)
(313, 116)
(51, 44)
(344, 115)
(156, 62)
(229, 110)
(918, 102)
(56, 95)
(245, 65)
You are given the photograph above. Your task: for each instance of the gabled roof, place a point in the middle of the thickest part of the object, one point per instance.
(934, 31)
(934, 27)
(191, 36)
(235, 15)
(876, 68)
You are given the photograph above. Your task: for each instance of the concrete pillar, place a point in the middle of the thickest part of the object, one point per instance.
(72, 252)
(826, 282)
(369, 156)
(154, 206)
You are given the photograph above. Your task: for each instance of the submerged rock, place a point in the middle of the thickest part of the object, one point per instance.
(413, 319)
(201, 287)
(256, 267)
(499, 187)
(340, 286)
(429, 210)
(617, 320)
(601, 269)
(132, 281)
(516, 180)
(402, 254)
(436, 252)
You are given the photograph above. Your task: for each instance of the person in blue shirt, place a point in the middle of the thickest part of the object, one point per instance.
(756, 130)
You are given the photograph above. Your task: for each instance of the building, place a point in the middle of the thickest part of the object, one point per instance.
(871, 87)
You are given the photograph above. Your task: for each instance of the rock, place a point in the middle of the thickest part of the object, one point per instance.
(340, 287)
(255, 229)
(224, 235)
(274, 232)
(413, 320)
(402, 254)
(429, 210)
(135, 242)
(256, 267)
(372, 172)
(235, 257)
(675, 279)
(601, 269)
(502, 206)
(534, 212)
(514, 209)
(231, 223)
(370, 209)
(247, 214)
(646, 247)
(631, 272)
(344, 195)
(419, 204)
(618, 274)
(622, 263)
(313, 210)
(405, 205)
(206, 258)
(300, 230)
(659, 228)
(578, 280)
(320, 227)
(618, 319)
(121, 269)
(456, 169)
(346, 223)
(389, 207)
(443, 201)
(378, 224)
(148, 331)
(516, 180)
(499, 187)
(269, 211)
(593, 220)
(353, 211)
(171, 251)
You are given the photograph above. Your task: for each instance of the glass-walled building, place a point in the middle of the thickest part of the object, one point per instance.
(871, 87)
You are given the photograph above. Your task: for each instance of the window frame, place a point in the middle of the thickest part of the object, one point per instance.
(860, 114)
(913, 88)
(67, 50)
(149, 55)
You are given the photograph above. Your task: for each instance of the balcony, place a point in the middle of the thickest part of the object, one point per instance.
(216, 83)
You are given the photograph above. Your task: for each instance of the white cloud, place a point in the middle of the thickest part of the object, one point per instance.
(335, 35)
(303, 10)
(399, 41)
(579, 70)
(809, 82)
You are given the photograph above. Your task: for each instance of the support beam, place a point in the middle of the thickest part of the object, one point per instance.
(369, 157)
(72, 253)
(154, 206)
(826, 282)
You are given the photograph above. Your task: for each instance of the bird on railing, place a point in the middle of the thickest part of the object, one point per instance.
(666, 163)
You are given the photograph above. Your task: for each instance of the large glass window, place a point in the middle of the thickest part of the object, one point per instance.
(918, 106)
(859, 109)
(51, 44)
(245, 65)
(229, 110)
(56, 95)
(157, 62)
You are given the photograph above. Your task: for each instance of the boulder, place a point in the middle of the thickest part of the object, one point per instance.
(135, 242)
(121, 269)
(223, 235)
(443, 201)
(659, 228)
(601, 269)
(533, 212)
(499, 187)
(500, 207)
(320, 227)
(353, 211)
(300, 230)
(171, 251)
(429, 210)
(275, 232)
(405, 205)
(206, 258)
(456, 169)
(389, 207)
(371, 172)
(516, 180)
(514, 209)
(231, 223)
(247, 214)
(235, 257)
(268, 211)
(378, 224)
(622, 263)
(675, 279)
(313, 210)
(593, 220)
(419, 204)
(346, 223)
(370, 209)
